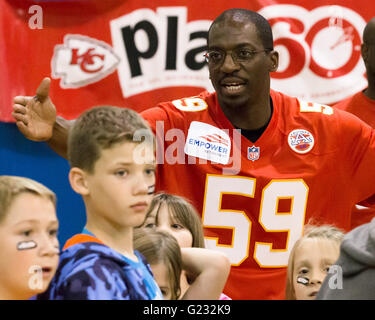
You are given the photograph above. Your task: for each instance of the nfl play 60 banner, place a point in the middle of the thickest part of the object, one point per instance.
(136, 53)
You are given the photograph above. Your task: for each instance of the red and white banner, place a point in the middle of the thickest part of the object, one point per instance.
(136, 53)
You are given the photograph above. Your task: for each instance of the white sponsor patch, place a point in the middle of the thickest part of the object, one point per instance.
(208, 142)
(301, 141)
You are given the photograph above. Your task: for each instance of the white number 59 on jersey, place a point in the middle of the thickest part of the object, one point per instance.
(271, 221)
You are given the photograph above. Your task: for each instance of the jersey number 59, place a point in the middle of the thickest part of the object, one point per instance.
(269, 218)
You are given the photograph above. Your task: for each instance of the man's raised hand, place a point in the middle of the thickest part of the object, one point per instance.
(35, 116)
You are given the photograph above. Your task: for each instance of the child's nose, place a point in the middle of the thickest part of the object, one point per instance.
(48, 246)
(141, 186)
(317, 277)
(165, 228)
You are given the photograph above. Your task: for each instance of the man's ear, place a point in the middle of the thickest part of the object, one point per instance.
(274, 56)
(78, 181)
(364, 52)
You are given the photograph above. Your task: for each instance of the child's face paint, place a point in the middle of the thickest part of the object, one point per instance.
(28, 239)
(151, 189)
(303, 280)
(312, 261)
(26, 245)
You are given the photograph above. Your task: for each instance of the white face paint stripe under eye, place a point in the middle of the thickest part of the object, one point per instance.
(303, 280)
(151, 189)
(26, 245)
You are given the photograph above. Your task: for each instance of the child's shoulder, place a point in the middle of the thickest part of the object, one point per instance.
(83, 251)
(90, 271)
(88, 258)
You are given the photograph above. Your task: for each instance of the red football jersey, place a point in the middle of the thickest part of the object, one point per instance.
(312, 162)
(364, 108)
(361, 106)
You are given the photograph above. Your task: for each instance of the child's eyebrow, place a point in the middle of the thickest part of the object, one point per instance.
(123, 163)
(328, 261)
(131, 163)
(53, 222)
(34, 221)
(303, 263)
(152, 164)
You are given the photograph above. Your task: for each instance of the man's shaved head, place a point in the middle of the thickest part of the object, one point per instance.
(262, 26)
(369, 32)
(368, 51)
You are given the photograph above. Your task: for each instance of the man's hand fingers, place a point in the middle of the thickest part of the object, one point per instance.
(20, 118)
(43, 90)
(21, 126)
(21, 100)
(18, 108)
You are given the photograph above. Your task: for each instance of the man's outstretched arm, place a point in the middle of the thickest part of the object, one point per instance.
(59, 139)
(36, 119)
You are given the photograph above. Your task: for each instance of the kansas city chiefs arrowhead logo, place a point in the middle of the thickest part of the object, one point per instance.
(82, 60)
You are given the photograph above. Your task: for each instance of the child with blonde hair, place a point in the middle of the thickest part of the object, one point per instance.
(310, 259)
(356, 264)
(29, 248)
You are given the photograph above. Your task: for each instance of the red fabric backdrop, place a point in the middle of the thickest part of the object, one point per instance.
(136, 53)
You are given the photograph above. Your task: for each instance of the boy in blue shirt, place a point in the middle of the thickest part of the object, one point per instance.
(114, 171)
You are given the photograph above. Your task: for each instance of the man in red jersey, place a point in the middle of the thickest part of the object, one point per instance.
(362, 104)
(257, 164)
